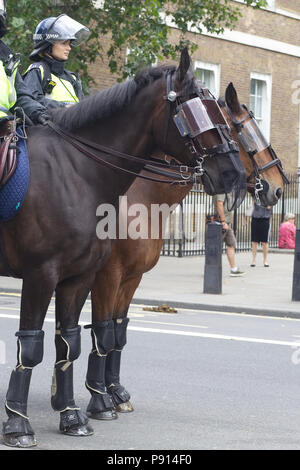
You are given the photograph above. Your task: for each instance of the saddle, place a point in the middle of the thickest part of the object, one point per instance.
(8, 151)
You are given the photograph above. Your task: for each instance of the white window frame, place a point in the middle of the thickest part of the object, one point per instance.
(270, 4)
(216, 69)
(267, 102)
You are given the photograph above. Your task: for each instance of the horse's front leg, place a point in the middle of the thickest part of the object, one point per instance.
(70, 298)
(103, 339)
(104, 294)
(113, 292)
(118, 392)
(38, 287)
(120, 396)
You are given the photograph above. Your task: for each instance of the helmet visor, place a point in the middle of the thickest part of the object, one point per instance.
(65, 28)
(251, 137)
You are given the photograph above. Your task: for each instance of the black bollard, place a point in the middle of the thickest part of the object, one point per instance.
(296, 275)
(213, 259)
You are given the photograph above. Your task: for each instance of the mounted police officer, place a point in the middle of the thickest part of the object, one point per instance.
(10, 79)
(47, 78)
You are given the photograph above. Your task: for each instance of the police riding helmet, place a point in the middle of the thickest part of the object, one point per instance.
(53, 29)
(2, 18)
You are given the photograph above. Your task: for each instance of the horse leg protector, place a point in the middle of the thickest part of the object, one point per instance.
(103, 339)
(72, 420)
(118, 393)
(17, 431)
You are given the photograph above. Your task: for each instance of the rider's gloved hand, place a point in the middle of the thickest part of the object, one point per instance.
(43, 118)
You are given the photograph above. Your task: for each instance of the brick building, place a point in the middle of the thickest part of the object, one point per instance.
(261, 58)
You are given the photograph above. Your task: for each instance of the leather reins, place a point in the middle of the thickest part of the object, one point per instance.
(178, 173)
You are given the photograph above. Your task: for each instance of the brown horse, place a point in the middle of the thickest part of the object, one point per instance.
(52, 244)
(117, 282)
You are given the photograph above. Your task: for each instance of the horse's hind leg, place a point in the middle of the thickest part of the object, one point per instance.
(36, 295)
(70, 298)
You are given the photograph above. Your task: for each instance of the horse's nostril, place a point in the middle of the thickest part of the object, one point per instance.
(278, 193)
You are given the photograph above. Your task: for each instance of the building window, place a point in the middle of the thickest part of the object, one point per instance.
(260, 101)
(209, 75)
(256, 98)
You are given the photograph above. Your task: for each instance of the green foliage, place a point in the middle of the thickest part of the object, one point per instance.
(138, 25)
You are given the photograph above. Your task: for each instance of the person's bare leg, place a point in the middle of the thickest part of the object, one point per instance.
(254, 251)
(265, 247)
(230, 251)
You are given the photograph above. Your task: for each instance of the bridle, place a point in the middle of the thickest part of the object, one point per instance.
(257, 185)
(191, 126)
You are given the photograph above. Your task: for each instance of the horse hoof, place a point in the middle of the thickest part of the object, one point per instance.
(80, 431)
(19, 441)
(124, 407)
(103, 415)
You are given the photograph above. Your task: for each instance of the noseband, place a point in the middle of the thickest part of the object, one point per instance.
(257, 170)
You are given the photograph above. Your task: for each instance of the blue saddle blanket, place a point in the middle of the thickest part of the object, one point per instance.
(13, 193)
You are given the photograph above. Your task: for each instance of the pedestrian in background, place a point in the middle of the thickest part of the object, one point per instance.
(287, 232)
(224, 215)
(260, 229)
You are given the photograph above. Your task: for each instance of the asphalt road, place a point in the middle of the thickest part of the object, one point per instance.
(198, 380)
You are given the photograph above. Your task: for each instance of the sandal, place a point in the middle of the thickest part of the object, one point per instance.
(266, 265)
(252, 265)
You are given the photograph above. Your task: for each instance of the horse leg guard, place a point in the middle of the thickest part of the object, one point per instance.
(103, 339)
(72, 421)
(17, 431)
(118, 393)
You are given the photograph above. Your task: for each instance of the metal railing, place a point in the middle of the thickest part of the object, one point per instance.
(185, 228)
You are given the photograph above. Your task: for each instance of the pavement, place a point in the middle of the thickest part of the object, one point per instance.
(178, 282)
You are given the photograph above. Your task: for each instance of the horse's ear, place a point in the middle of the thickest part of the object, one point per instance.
(185, 65)
(231, 98)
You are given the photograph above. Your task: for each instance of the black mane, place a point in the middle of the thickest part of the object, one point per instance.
(107, 102)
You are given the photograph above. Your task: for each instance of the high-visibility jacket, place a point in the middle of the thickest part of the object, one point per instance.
(62, 90)
(8, 95)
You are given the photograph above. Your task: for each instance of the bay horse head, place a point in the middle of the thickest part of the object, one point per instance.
(197, 131)
(265, 176)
